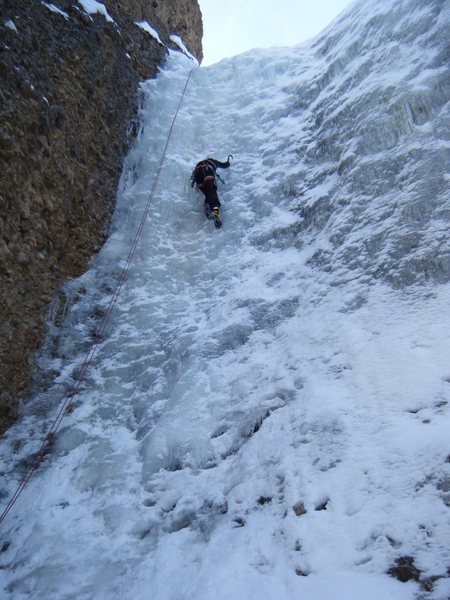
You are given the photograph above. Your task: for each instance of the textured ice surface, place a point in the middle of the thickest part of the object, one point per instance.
(297, 360)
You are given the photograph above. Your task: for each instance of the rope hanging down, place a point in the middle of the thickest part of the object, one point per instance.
(98, 335)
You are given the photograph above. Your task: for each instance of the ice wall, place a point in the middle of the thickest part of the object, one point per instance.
(370, 169)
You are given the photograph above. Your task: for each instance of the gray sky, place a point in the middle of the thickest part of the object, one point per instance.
(234, 26)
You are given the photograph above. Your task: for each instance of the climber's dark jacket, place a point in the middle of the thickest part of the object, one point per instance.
(204, 176)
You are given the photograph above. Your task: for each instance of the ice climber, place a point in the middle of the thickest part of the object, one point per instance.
(204, 178)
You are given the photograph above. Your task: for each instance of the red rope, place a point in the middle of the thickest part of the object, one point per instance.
(97, 338)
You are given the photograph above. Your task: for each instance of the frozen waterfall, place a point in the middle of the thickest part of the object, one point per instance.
(267, 416)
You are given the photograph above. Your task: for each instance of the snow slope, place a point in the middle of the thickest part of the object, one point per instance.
(267, 415)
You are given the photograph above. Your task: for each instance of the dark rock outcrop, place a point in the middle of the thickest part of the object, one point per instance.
(68, 100)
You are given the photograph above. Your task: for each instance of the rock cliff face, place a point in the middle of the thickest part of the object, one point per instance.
(68, 104)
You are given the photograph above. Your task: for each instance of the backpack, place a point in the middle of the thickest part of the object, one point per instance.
(204, 171)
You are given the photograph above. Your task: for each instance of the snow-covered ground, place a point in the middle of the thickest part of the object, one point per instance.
(267, 416)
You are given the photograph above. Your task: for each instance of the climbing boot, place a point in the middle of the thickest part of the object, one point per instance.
(215, 218)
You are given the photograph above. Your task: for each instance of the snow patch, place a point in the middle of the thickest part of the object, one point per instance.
(10, 25)
(92, 7)
(146, 27)
(55, 9)
(179, 42)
